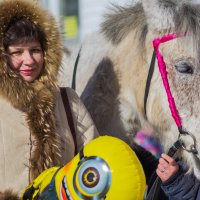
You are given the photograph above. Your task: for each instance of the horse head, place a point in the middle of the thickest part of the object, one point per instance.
(181, 57)
(118, 64)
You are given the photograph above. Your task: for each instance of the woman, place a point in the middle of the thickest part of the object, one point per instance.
(34, 130)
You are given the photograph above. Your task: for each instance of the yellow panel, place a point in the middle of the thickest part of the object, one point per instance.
(71, 27)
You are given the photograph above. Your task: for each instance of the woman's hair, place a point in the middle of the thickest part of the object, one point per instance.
(23, 30)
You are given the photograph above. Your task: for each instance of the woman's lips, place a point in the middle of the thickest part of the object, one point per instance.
(27, 72)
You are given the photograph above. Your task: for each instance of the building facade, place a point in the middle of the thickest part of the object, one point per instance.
(78, 18)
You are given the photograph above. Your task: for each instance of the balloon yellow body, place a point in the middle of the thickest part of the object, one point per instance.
(106, 167)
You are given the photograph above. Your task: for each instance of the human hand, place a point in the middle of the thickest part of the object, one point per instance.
(167, 167)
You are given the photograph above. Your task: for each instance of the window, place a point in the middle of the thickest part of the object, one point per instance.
(69, 13)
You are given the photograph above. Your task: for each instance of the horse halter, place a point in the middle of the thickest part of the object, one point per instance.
(163, 73)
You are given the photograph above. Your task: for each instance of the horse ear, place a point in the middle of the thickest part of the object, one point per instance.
(160, 13)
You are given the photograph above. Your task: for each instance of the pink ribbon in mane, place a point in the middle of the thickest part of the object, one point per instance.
(163, 72)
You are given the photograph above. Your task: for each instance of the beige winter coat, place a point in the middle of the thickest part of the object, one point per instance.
(17, 143)
(34, 132)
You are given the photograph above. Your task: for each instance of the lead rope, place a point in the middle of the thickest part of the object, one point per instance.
(154, 191)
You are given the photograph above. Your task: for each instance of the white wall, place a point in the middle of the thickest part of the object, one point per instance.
(53, 6)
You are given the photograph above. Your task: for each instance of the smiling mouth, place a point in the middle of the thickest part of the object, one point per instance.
(65, 194)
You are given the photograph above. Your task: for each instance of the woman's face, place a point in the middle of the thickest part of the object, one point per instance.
(26, 59)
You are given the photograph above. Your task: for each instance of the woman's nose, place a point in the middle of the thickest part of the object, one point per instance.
(27, 58)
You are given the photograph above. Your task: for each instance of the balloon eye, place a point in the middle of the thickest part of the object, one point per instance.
(90, 177)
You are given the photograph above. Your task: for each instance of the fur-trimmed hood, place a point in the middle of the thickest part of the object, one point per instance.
(46, 22)
(35, 99)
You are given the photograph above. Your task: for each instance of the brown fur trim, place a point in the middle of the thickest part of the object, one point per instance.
(8, 195)
(42, 123)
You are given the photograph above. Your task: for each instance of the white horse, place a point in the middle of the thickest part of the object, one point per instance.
(114, 64)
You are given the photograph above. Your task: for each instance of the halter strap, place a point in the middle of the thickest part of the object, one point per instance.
(148, 82)
(163, 73)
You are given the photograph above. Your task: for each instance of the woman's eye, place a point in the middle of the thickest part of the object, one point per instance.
(15, 53)
(184, 67)
(36, 50)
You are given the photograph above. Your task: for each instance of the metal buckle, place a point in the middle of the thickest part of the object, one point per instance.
(192, 147)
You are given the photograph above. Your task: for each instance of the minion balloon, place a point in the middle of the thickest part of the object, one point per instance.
(106, 168)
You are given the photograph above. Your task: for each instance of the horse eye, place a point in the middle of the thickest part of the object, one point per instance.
(184, 67)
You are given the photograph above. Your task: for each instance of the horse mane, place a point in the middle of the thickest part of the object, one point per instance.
(122, 20)
(187, 21)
